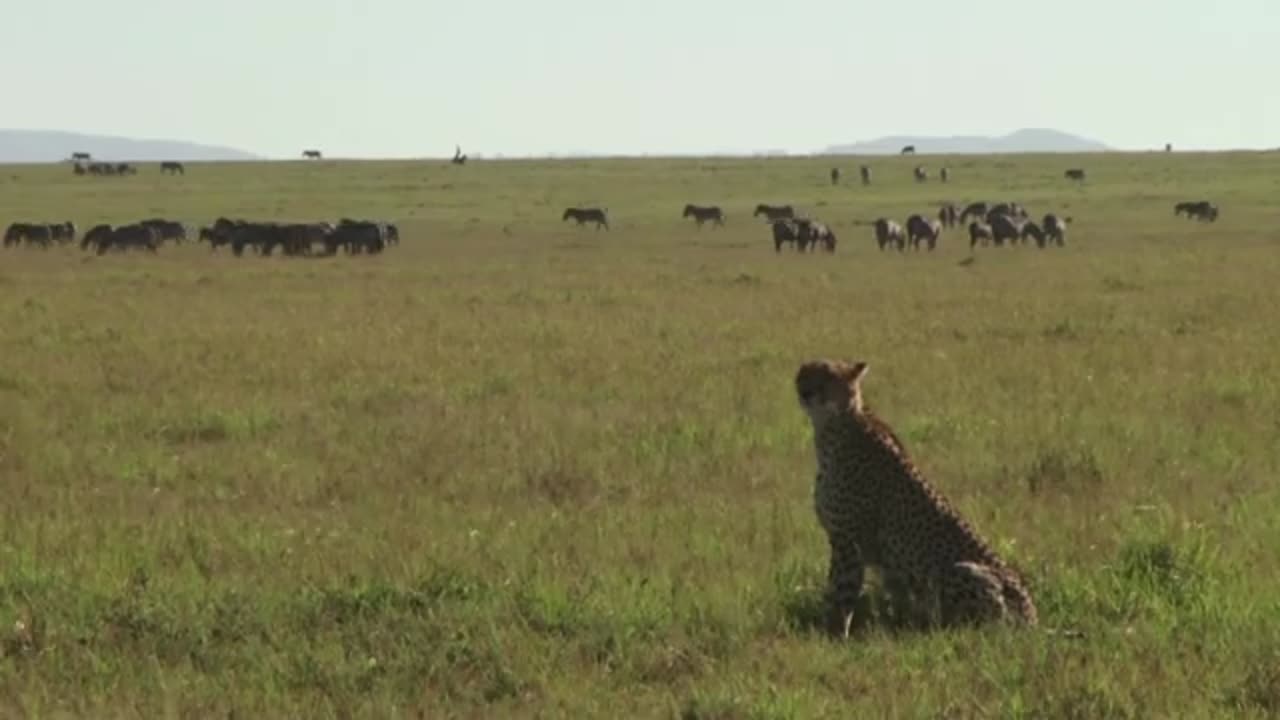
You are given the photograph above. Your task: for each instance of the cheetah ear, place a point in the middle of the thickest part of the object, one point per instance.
(855, 372)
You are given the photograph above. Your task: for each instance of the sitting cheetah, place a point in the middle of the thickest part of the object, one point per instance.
(878, 509)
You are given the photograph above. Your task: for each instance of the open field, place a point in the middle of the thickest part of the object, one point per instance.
(513, 468)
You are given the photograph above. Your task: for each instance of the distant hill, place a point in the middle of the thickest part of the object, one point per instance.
(1029, 140)
(37, 146)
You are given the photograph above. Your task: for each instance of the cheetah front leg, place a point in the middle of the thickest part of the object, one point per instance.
(844, 584)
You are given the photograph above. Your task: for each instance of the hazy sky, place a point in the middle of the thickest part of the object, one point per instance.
(386, 78)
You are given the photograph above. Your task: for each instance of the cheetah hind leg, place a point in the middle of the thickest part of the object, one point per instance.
(972, 594)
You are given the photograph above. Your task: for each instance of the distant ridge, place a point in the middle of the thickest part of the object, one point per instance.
(1027, 140)
(41, 146)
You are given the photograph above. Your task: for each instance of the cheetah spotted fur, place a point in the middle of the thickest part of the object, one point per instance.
(878, 509)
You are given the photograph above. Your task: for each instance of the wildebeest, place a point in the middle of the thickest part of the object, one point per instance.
(1202, 210)
(944, 174)
(979, 232)
(1004, 228)
(1055, 228)
(172, 167)
(586, 215)
(167, 229)
(774, 212)
(974, 210)
(78, 156)
(1076, 174)
(126, 237)
(920, 173)
(949, 215)
(42, 234)
(96, 237)
(835, 176)
(311, 154)
(919, 228)
(701, 214)
(889, 233)
(784, 231)
(908, 150)
(865, 172)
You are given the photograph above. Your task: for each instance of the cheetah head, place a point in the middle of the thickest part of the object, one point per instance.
(830, 387)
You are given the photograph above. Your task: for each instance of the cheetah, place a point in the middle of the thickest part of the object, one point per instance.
(878, 509)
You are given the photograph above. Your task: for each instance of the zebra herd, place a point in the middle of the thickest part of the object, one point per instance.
(355, 237)
(81, 167)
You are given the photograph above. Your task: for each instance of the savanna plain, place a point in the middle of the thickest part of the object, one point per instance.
(516, 468)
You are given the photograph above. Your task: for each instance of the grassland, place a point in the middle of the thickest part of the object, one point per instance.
(516, 469)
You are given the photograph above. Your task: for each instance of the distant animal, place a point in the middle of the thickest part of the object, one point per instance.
(173, 168)
(78, 156)
(166, 230)
(774, 212)
(944, 174)
(835, 176)
(979, 232)
(949, 215)
(1168, 147)
(1202, 210)
(920, 173)
(889, 233)
(311, 154)
(878, 509)
(1076, 174)
(908, 150)
(458, 157)
(919, 228)
(97, 236)
(865, 173)
(700, 214)
(130, 237)
(1055, 229)
(64, 232)
(1012, 209)
(598, 216)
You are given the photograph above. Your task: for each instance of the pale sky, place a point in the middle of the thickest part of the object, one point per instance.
(399, 78)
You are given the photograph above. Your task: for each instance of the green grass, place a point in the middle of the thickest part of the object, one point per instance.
(512, 468)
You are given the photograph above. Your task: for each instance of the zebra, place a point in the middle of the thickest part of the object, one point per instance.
(586, 215)
(311, 154)
(1076, 174)
(173, 168)
(774, 212)
(704, 214)
(865, 172)
(920, 173)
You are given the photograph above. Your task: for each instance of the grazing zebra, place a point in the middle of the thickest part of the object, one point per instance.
(920, 173)
(774, 212)
(811, 233)
(889, 233)
(1004, 227)
(701, 214)
(920, 228)
(1055, 228)
(949, 215)
(173, 168)
(1076, 174)
(1032, 231)
(979, 231)
(311, 154)
(586, 215)
(865, 172)
(835, 176)
(944, 174)
(908, 150)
